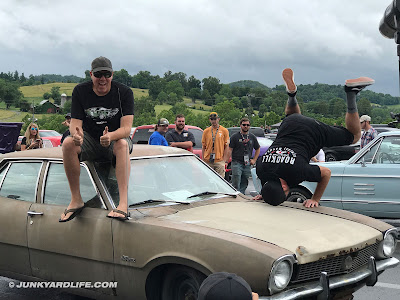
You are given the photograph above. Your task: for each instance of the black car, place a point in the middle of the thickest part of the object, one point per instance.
(257, 131)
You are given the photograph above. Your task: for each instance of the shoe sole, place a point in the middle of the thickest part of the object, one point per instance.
(361, 81)
(287, 76)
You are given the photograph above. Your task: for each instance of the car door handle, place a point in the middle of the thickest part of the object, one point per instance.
(34, 213)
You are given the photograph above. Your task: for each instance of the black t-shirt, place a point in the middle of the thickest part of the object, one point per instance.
(299, 138)
(97, 112)
(174, 136)
(242, 144)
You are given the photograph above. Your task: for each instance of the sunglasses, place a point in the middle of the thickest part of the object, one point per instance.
(213, 118)
(99, 74)
(34, 129)
(163, 125)
(245, 124)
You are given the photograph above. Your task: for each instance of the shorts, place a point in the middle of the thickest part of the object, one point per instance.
(93, 151)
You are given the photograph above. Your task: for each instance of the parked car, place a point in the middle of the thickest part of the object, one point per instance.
(142, 134)
(337, 153)
(367, 183)
(186, 222)
(53, 136)
(264, 145)
(257, 131)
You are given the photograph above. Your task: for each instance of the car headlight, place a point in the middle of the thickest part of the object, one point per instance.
(280, 274)
(388, 245)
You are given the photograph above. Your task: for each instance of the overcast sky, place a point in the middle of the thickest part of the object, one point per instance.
(322, 41)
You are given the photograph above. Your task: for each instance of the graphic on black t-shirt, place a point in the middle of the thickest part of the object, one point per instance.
(279, 155)
(100, 114)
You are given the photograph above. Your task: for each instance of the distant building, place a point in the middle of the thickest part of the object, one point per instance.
(48, 107)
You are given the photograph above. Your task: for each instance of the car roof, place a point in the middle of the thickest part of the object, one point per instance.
(257, 131)
(137, 151)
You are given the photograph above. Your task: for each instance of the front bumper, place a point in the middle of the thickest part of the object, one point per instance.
(368, 273)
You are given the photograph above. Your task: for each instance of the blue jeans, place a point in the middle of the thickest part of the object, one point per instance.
(240, 176)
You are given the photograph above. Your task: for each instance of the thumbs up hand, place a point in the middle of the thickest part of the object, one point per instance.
(78, 137)
(105, 139)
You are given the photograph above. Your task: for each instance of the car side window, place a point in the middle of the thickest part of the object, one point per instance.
(20, 181)
(369, 155)
(388, 152)
(57, 191)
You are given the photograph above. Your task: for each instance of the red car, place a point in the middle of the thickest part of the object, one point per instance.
(142, 134)
(53, 136)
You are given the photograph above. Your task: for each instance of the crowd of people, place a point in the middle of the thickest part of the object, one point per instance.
(99, 127)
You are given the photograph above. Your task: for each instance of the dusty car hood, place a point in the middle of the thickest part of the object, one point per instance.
(311, 236)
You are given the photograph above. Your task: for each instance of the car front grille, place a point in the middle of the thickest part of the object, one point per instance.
(334, 265)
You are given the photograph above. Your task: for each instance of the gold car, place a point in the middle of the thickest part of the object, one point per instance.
(186, 223)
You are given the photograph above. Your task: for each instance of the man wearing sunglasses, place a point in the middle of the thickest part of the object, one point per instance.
(101, 121)
(241, 148)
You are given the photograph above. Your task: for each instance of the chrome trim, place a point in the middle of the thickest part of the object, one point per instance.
(370, 202)
(367, 176)
(364, 184)
(359, 193)
(34, 213)
(315, 287)
(271, 284)
(7, 167)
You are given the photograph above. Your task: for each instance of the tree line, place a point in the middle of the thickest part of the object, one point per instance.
(262, 104)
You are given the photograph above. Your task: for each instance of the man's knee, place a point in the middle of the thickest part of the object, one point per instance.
(69, 147)
(120, 146)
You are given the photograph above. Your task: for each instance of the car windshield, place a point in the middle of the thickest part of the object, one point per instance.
(166, 179)
(49, 133)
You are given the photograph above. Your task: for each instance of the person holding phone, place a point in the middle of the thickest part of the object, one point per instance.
(31, 138)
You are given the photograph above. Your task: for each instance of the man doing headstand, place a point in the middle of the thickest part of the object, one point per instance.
(286, 163)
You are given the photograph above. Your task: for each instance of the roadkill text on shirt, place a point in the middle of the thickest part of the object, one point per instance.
(279, 155)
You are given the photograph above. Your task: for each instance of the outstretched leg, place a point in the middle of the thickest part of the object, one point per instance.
(352, 88)
(292, 107)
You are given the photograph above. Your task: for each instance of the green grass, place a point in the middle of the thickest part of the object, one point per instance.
(36, 91)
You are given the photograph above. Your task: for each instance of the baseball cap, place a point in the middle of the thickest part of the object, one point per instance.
(101, 64)
(364, 118)
(163, 121)
(68, 116)
(272, 192)
(213, 115)
(224, 286)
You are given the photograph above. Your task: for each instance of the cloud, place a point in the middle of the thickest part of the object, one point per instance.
(232, 40)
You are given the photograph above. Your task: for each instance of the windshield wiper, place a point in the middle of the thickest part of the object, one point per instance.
(157, 201)
(211, 193)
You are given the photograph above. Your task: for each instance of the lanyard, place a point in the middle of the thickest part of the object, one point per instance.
(245, 148)
(213, 137)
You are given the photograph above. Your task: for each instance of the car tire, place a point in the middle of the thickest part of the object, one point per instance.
(181, 283)
(298, 195)
(330, 157)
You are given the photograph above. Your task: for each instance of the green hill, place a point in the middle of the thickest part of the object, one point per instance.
(248, 84)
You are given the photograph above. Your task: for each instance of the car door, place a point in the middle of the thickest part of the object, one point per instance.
(370, 185)
(78, 250)
(18, 190)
